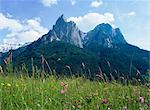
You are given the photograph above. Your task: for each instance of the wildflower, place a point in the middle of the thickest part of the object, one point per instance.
(9, 85)
(17, 85)
(2, 84)
(38, 105)
(124, 108)
(141, 99)
(127, 98)
(97, 106)
(104, 101)
(66, 86)
(62, 84)
(62, 91)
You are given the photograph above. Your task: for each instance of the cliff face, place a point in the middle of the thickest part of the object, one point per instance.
(105, 35)
(66, 32)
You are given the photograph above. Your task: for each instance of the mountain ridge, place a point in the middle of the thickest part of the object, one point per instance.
(68, 32)
(65, 31)
(105, 35)
(67, 42)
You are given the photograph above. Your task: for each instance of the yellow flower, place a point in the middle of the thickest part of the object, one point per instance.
(17, 85)
(9, 85)
(2, 84)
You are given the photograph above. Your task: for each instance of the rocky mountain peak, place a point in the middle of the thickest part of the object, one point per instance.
(104, 34)
(60, 20)
(104, 26)
(65, 31)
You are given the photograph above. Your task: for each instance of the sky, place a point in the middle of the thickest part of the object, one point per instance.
(24, 21)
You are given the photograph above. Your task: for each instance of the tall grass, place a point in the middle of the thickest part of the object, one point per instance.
(25, 93)
(50, 92)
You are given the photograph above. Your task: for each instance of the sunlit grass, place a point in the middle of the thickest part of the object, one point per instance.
(25, 93)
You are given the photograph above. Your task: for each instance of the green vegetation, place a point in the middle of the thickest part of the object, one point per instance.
(125, 61)
(52, 93)
(41, 91)
(37, 89)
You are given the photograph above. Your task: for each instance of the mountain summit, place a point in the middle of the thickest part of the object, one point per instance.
(66, 32)
(105, 35)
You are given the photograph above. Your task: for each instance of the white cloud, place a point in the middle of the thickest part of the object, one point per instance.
(10, 24)
(49, 3)
(73, 2)
(132, 13)
(90, 20)
(20, 32)
(96, 3)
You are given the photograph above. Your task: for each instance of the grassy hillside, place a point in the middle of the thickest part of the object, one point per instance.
(124, 61)
(24, 93)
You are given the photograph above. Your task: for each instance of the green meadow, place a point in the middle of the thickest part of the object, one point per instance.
(53, 93)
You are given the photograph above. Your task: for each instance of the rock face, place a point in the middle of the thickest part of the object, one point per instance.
(105, 35)
(66, 32)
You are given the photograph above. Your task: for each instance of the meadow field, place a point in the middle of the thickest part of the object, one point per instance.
(53, 93)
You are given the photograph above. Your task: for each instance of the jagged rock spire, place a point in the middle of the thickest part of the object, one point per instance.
(60, 20)
(66, 32)
(103, 34)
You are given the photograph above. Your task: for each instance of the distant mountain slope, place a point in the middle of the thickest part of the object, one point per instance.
(59, 56)
(5, 47)
(126, 60)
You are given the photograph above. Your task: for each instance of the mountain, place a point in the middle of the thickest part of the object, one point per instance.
(67, 50)
(123, 60)
(105, 35)
(5, 47)
(60, 57)
(64, 31)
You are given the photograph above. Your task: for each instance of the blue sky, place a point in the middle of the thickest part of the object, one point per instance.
(26, 20)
